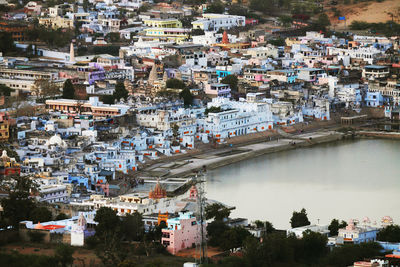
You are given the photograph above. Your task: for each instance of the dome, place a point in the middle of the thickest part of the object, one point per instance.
(55, 141)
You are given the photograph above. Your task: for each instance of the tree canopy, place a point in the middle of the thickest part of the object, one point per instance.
(175, 84)
(335, 226)
(299, 219)
(232, 80)
(390, 233)
(217, 211)
(187, 97)
(68, 90)
(120, 91)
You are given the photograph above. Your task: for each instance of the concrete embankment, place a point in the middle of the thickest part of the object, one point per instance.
(213, 161)
(378, 134)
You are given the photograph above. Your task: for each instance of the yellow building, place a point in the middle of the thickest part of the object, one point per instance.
(57, 22)
(177, 35)
(163, 23)
(4, 126)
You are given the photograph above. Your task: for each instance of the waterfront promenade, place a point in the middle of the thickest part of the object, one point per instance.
(221, 157)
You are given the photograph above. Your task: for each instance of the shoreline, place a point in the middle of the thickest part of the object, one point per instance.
(213, 159)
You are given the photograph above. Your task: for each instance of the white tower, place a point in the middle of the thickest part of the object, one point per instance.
(72, 53)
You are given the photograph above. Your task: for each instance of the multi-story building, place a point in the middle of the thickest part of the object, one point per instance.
(53, 193)
(162, 23)
(91, 107)
(17, 30)
(357, 234)
(4, 126)
(375, 72)
(236, 118)
(177, 35)
(287, 75)
(182, 232)
(214, 22)
(218, 90)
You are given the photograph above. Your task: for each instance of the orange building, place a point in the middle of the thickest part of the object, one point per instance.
(17, 30)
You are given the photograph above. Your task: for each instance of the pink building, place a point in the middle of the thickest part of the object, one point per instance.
(182, 232)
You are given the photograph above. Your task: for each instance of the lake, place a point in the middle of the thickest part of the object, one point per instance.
(344, 180)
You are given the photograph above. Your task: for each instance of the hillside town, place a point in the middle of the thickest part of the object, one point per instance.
(113, 112)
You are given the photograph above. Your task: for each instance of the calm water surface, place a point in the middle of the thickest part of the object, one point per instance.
(349, 179)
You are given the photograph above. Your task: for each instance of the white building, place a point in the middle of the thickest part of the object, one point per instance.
(237, 118)
(214, 22)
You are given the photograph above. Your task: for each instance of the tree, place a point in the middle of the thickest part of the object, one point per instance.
(217, 211)
(5, 90)
(215, 232)
(175, 84)
(132, 227)
(335, 226)
(322, 22)
(7, 43)
(68, 90)
(18, 206)
(233, 238)
(314, 246)
(265, 6)
(41, 214)
(187, 97)
(286, 21)
(44, 88)
(299, 219)
(267, 227)
(390, 233)
(108, 232)
(216, 7)
(120, 91)
(63, 254)
(232, 80)
(196, 32)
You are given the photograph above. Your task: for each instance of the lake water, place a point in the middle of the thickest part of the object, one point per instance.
(345, 179)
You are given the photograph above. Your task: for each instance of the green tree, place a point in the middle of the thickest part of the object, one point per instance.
(390, 233)
(346, 255)
(233, 238)
(132, 227)
(286, 21)
(196, 32)
(215, 232)
(299, 219)
(232, 80)
(18, 206)
(322, 22)
(120, 91)
(41, 214)
(63, 254)
(267, 227)
(68, 90)
(335, 226)
(108, 232)
(7, 43)
(216, 7)
(217, 211)
(175, 84)
(314, 246)
(5, 90)
(187, 97)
